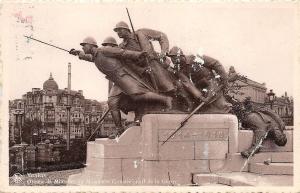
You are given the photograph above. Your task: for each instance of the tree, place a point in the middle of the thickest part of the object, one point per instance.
(29, 128)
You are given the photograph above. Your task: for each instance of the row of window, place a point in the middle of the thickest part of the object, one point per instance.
(63, 130)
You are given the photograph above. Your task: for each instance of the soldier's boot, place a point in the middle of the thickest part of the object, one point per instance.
(255, 147)
(116, 115)
(151, 96)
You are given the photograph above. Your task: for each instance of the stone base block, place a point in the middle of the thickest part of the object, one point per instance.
(138, 157)
(176, 151)
(217, 165)
(205, 179)
(234, 163)
(211, 149)
(283, 157)
(245, 140)
(273, 168)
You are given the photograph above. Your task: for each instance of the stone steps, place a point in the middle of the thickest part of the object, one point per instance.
(234, 162)
(272, 168)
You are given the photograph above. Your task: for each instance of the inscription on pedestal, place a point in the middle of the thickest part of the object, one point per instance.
(195, 135)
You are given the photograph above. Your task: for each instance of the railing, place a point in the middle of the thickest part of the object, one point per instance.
(48, 105)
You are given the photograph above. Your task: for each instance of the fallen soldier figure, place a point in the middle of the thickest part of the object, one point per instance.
(264, 123)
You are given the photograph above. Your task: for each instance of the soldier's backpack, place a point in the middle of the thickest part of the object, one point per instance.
(273, 115)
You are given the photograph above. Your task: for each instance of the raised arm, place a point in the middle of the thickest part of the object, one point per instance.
(146, 35)
(215, 65)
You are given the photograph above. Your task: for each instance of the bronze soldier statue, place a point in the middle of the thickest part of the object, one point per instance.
(155, 69)
(108, 60)
(263, 121)
(204, 73)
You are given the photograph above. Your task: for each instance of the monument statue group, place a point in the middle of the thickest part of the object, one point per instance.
(144, 81)
(176, 86)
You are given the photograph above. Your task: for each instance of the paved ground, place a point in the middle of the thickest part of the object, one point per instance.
(55, 178)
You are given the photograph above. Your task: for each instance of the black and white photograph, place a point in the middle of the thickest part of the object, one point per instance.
(138, 96)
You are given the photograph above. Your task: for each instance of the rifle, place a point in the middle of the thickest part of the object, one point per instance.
(185, 120)
(149, 70)
(255, 148)
(46, 43)
(100, 123)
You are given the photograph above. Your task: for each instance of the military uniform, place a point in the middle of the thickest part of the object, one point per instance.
(108, 60)
(202, 72)
(263, 123)
(159, 70)
(203, 78)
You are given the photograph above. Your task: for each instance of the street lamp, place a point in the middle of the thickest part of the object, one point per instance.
(43, 134)
(34, 138)
(271, 96)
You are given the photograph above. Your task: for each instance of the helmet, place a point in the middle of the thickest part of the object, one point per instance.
(121, 24)
(89, 40)
(109, 40)
(175, 51)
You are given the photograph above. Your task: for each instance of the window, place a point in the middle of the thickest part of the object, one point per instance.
(65, 100)
(50, 115)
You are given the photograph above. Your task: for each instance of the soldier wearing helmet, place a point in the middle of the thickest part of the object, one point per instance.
(108, 60)
(141, 41)
(87, 44)
(109, 41)
(204, 72)
(155, 70)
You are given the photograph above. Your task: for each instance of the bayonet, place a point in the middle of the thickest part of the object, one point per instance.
(47, 43)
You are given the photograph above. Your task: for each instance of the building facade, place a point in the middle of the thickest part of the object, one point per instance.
(249, 88)
(283, 106)
(243, 87)
(49, 106)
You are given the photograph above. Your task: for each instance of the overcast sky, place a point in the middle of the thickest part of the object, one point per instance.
(258, 39)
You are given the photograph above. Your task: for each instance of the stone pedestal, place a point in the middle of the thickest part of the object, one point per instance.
(139, 158)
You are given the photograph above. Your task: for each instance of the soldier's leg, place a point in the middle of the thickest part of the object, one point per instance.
(260, 128)
(189, 86)
(151, 96)
(184, 95)
(114, 105)
(258, 135)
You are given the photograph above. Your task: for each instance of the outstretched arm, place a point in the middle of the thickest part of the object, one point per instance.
(86, 57)
(82, 55)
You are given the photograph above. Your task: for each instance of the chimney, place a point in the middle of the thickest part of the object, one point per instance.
(285, 94)
(81, 92)
(69, 77)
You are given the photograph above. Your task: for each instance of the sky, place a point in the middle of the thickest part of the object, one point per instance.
(258, 39)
